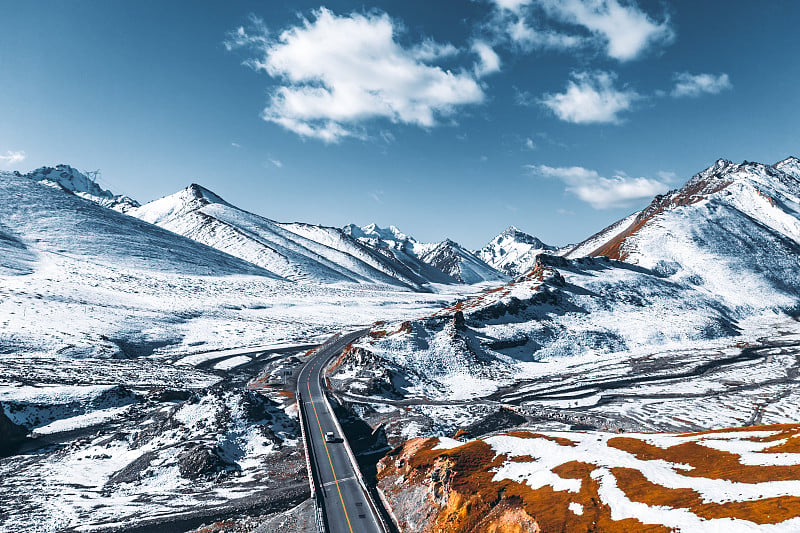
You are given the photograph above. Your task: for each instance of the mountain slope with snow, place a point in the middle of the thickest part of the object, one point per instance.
(72, 180)
(201, 215)
(513, 251)
(37, 218)
(705, 268)
(732, 230)
(443, 262)
(461, 264)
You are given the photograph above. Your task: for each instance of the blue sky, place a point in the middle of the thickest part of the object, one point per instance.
(456, 119)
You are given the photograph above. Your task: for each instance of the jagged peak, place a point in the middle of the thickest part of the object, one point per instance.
(512, 232)
(790, 166)
(70, 179)
(374, 231)
(207, 196)
(81, 184)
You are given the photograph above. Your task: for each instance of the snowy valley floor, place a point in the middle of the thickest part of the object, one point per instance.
(138, 418)
(135, 388)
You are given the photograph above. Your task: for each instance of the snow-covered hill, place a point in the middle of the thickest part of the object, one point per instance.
(513, 251)
(733, 231)
(38, 217)
(77, 182)
(297, 252)
(443, 262)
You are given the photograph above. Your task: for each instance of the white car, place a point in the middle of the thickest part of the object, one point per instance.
(330, 437)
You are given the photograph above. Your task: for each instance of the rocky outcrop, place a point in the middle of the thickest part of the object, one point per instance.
(11, 434)
(201, 461)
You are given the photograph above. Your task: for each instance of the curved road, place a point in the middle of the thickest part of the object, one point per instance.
(348, 509)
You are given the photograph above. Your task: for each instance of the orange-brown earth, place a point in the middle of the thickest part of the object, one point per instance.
(616, 247)
(458, 490)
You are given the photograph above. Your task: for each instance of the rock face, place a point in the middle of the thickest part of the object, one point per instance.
(457, 262)
(11, 434)
(201, 461)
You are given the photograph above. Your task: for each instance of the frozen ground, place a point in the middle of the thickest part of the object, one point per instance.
(109, 367)
(125, 357)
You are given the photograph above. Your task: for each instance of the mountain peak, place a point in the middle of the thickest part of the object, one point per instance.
(373, 231)
(790, 165)
(201, 193)
(71, 179)
(80, 184)
(513, 251)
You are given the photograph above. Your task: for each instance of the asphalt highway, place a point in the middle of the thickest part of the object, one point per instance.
(347, 506)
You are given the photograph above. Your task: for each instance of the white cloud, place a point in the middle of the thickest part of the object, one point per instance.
(276, 162)
(693, 85)
(338, 72)
(601, 192)
(626, 30)
(512, 22)
(529, 144)
(236, 145)
(590, 98)
(619, 27)
(511, 5)
(529, 38)
(488, 60)
(12, 158)
(430, 50)
(667, 176)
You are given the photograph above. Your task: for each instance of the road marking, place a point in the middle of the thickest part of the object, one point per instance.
(335, 480)
(322, 435)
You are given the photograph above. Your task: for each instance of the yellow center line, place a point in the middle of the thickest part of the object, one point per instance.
(324, 443)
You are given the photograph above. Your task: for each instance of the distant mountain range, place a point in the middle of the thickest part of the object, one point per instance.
(304, 252)
(442, 262)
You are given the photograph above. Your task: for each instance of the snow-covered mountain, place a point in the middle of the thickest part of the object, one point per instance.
(733, 230)
(443, 262)
(297, 252)
(77, 182)
(702, 264)
(513, 251)
(459, 263)
(41, 217)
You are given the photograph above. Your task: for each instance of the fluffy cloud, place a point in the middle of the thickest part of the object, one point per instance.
(430, 50)
(488, 60)
(590, 98)
(12, 158)
(601, 192)
(693, 85)
(621, 28)
(529, 38)
(626, 30)
(338, 72)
